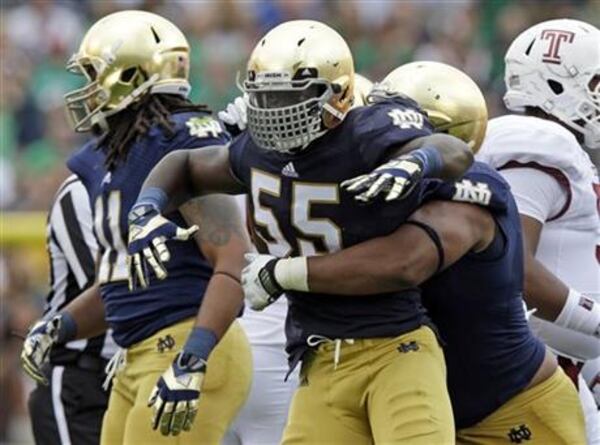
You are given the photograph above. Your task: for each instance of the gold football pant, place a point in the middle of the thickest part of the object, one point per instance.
(225, 388)
(383, 391)
(547, 413)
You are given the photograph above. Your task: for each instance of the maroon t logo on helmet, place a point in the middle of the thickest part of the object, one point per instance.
(556, 37)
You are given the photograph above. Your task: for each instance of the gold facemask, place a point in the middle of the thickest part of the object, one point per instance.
(122, 57)
(299, 83)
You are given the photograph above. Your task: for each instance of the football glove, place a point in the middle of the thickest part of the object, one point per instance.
(235, 115)
(174, 399)
(148, 233)
(258, 281)
(396, 179)
(36, 347)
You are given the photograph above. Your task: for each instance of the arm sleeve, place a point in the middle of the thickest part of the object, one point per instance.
(71, 225)
(237, 151)
(537, 193)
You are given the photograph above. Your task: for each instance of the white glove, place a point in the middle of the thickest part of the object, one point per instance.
(36, 348)
(235, 113)
(395, 179)
(258, 281)
(174, 399)
(148, 233)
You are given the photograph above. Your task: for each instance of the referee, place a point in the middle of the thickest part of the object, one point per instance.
(70, 409)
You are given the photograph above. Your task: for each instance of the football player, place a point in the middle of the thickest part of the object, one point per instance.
(504, 384)
(552, 77)
(263, 417)
(183, 327)
(302, 140)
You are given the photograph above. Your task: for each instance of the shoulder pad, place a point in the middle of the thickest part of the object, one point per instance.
(400, 112)
(377, 129)
(198, 129)
(86, 160)
(526, 139)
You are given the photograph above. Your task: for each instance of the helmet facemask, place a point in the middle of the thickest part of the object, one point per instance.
(86, 102)
(555, 66)
(286, 115)
(123, 57)
(588, 112)
(88, 106)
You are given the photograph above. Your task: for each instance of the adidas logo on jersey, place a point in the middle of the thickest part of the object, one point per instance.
(107, 178)
(289, 170)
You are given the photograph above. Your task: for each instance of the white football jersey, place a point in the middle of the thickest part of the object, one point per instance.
(570, 239)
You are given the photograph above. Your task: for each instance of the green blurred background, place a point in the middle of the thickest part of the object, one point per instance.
(37, 37)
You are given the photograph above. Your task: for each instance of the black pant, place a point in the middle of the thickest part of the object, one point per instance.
(70, 408)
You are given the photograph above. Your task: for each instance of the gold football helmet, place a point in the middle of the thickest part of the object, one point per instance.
(362, 89)
(453, 101)
(123, 56)
(300, 82)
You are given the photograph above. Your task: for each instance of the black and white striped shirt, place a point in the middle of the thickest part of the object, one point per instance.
(72, 250)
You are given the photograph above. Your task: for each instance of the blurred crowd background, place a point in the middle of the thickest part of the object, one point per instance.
(37, 37)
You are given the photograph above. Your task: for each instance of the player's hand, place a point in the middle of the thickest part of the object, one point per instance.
(258, 281)
(36, 348)
(396, 179)
(148, 234)
(174, 399)
(235, 115)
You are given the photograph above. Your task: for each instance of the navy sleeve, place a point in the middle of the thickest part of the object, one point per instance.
(381, 128)
(481, 185)
(237, 150)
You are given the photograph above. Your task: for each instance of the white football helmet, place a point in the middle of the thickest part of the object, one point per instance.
(555, 66)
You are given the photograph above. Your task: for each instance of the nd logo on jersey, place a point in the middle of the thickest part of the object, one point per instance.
(476, 193)
(406, 118)
(203, 127)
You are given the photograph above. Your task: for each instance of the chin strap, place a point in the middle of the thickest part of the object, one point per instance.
(334, 111)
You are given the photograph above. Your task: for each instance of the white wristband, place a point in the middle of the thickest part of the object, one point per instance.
(581, 314)
(292, 273)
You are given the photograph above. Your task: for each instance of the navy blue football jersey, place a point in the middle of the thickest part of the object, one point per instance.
(297, 208)
(136, 315)
(477, 305)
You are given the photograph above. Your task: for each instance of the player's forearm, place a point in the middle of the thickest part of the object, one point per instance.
(364, 271)
(223, 240)
(169, 184)
(457, 157)
(453, 155)
(556, 302)
(372, 267)
(87, 312)
(221, 305)
(543, 290)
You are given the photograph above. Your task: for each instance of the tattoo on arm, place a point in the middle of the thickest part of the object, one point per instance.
(218, 217)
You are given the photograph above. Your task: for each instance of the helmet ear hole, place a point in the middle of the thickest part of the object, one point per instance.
(128, 75)
(555, 86)
(91, 71)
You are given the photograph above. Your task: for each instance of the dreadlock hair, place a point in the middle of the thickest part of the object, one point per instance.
(131, 124)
